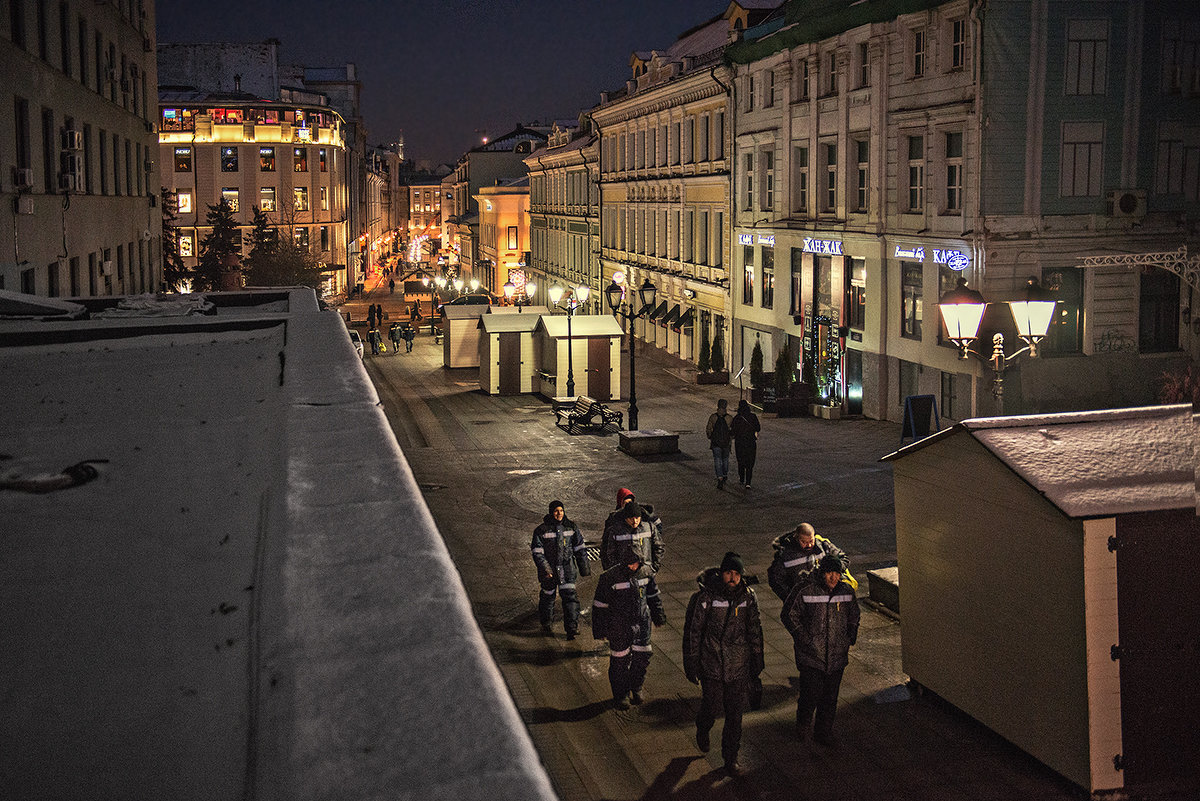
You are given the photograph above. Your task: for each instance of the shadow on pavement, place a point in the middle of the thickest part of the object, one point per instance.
(544, 714)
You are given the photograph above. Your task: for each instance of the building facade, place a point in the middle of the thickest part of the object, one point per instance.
(503, 234)
(876, 166)
(423, 230)
(665, 148)
(80, 172)
(564, 223)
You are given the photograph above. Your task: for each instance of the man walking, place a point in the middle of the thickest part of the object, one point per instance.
(557, 550)
(796, 553)
(720, 434)
(626, 602)
(821, 614)
(723, 652)
(645, 533)
(394, 335)
(745, 428)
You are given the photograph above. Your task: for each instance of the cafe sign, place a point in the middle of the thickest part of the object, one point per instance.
(954, 259)
(825, 247)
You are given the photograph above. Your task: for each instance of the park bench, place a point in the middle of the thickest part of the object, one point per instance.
(586, 413)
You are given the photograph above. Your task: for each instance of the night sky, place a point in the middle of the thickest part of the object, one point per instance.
(442, 71)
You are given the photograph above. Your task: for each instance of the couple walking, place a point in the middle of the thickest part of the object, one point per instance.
(741, 431)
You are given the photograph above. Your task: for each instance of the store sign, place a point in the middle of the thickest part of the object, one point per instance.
(763, 239)
(954, 259)
(916, 254)
(745, 239)
(826, 247)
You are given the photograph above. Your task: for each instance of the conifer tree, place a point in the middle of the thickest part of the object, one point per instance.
(219, 245)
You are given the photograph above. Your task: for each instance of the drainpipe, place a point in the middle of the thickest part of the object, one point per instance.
(731, 159)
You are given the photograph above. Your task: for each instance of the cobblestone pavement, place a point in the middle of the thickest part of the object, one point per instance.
(488, 467)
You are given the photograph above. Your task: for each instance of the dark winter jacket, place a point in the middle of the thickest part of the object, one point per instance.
(745, 428)
(647, 539)
(792, 562)
(625, 599)
(557, 548)
(722, 633)
(823, 623)
(719, 438)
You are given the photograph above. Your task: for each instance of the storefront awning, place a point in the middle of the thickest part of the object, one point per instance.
(670, 317)
(686, 320)
(659, 311)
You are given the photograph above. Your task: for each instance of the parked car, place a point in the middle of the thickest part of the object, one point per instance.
(481, 298)
(356, 340)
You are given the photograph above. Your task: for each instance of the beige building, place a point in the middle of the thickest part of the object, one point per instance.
(503, 234)
(665, 144)
(79, 174)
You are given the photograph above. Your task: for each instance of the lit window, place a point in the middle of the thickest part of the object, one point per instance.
(229, 159)
(185, 245)
(324, 161)
(300, 159)
(266, 198)
(300, 195)
(183, 159)
(768, 277)
(266, 159)
(183, 202)
(230, 195)
(748, 275)
(324, 198)
(301, 236)
(911, 291)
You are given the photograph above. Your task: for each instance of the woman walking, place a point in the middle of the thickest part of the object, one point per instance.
(745, 429)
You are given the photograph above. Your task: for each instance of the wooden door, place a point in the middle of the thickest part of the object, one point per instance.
(599, 368)
(510, 366)
(1159, 626)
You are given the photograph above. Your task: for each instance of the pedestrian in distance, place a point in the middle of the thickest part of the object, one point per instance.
(626, 603)
(617, 516)
(720, 436)
(410, 335)
(375, 339)
(723, 653)
(394, 335)
(414, 313)
(796, 554)
(391, 286)
(745, 428)
(636, 528)
(560, 556)
(821, 613)
(371, 315)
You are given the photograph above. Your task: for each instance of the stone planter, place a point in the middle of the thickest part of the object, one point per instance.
(713, 377)
(826, 412)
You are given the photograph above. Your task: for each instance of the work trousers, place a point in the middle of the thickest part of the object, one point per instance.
(730, 697)
(629, 657)
(570, 604)
(818, 691)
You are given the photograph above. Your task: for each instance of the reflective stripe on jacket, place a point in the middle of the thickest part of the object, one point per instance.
(626, 598)
(557, 548)
(823, 623)
(722, 633)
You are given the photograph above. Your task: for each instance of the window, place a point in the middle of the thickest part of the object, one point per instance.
(768, 277)
(1180, 62)
(512, 237)
(1169, 175)
(768, 163)
(266, 159)
(718, 144)
(768, 88)
(748, 274)
(300, 159)
(1158, 321)
(229, 159)
(1065, 334)
(717, 248)
(103, 148)
(301, 237)
(1079, 172)
(324, 237)
(183, 201)
(230, 195)
(325, 199)
(300, 198)
(702, 237)
(185, 245)
(856, 296)
(864, 65)
(916, 174)
(266, 198)
(750, 92)
(49, 148)
(861, 189)
(804, 79)
(830, 177)
(958, 44)
(796, 309)
(949, 396)
(912, 277)
(1087, 56)
(831, 73)
(689, 139)
(16, 23)
(918, 54)
(323, 160)
(703, 130)
(800, 173)
(749, 181)
(954, 171)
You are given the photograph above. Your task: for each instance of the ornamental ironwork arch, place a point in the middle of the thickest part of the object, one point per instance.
(1177, 262)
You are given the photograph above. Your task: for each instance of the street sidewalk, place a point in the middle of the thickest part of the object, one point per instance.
(488, 465)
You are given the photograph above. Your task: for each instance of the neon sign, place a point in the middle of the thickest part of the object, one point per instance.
(826, 247)
(910, 253)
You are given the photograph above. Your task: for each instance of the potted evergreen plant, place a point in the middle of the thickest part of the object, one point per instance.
(711, 366)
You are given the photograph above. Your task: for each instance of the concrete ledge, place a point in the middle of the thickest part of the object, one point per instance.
(885, 587)
(647, 442)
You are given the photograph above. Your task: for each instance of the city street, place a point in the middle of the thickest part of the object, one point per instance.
(489, 465)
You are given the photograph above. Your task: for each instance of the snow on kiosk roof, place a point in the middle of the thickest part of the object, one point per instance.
(1093, 464)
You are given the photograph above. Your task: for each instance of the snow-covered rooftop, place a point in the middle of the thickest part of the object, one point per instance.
(1095, 463)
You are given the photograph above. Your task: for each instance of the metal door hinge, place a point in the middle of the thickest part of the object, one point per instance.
(1113, 544)
(1115, 652)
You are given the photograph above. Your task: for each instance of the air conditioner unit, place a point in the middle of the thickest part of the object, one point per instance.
(22, 178)
(68, 182)
(71, 139)
(1127, 203)
(23, 204)
(106, 267)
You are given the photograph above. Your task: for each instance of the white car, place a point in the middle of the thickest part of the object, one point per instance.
(356, 340)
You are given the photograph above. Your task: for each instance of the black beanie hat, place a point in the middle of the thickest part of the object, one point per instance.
(733, 561)
(633, 510)
(829, 564)
(556, 505)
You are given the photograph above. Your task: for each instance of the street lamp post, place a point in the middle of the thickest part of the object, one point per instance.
(962, 312)
(615, 294)
(522, 299)
(578, 295)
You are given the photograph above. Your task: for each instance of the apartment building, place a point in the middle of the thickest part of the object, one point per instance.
(79, 175)
(885, 153)
(503, 233)
(665, 150)
(564, 224)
